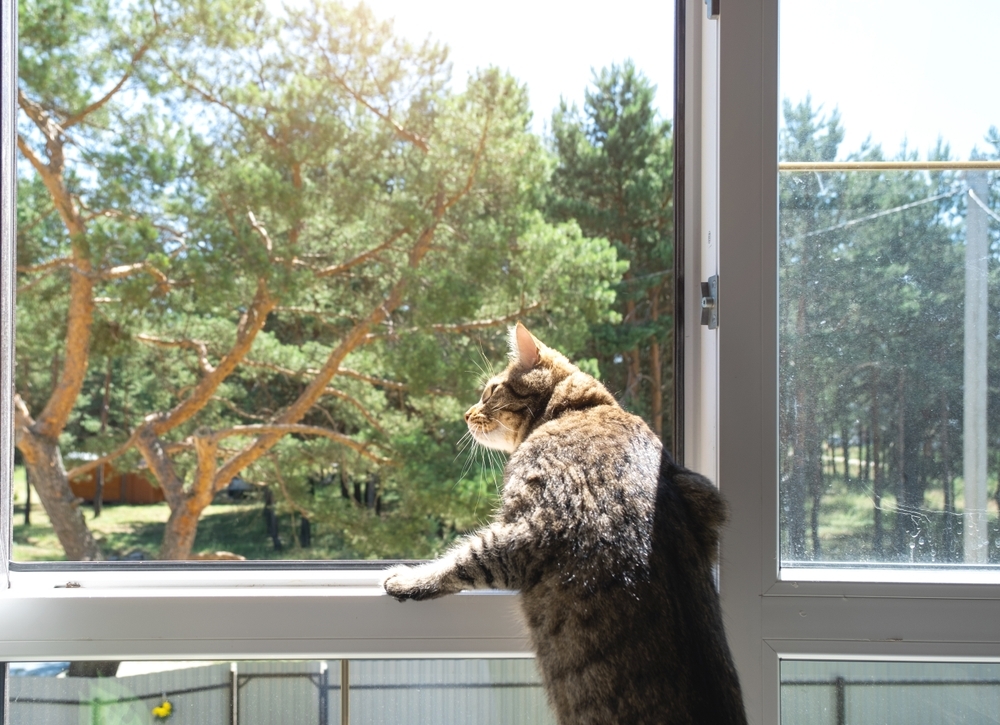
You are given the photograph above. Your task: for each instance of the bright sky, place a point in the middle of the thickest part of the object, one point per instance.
(549, 44)
(897, 69)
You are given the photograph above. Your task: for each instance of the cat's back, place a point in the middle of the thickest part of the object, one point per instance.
(588, 480)
(620, 602)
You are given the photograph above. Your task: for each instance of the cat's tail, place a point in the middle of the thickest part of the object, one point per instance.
(705, 508)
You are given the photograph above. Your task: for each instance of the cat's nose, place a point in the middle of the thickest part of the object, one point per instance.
(468, 414)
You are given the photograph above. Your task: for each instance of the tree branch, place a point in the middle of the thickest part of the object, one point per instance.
(463, 327)
(45, 266)
(385, 116)
(205, 95)
(117, 214)
(381, 382)
(197, 345)
(160, 463)
(250, 324)
(284, 490)
(480, 324)
(361, 258)
(22, 417)
(278, 369)
(357, 335)
(261, 230)
(23, 229)
(163, 283)
(357, 404)
(239, 411)
(283, 429)
(96, 105)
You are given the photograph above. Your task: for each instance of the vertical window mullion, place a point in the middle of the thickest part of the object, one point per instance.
(8, 69)
(746, 186)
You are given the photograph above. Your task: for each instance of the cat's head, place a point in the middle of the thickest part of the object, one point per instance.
(538, 384)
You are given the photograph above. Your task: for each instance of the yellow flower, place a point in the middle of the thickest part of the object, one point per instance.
(163, 711)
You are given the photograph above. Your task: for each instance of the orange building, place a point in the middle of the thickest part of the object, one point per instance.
(130, 487)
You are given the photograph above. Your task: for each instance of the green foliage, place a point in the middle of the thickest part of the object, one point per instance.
(615, 178)
(871, 308)
(313, 154)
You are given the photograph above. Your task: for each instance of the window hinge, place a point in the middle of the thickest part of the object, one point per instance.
(710, 302)
(712, 8)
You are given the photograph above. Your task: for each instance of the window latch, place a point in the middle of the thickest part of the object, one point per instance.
(712, 9)
(710, 302)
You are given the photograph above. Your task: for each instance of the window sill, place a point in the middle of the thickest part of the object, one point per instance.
(950, 574)
(202, 614)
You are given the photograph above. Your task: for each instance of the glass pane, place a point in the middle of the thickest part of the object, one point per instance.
(889, 278)
(450, 692)
(413, 692)
(267, 257)
(889, 693)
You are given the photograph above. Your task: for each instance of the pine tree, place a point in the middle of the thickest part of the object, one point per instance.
(614, 177)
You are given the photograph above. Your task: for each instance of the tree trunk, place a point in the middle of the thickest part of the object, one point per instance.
(866, 462)
(948, 484)
(801, 480)
(182, 528)
(27, 498)
(633, 369)
(816, 491)
(99, 492)
(44, 465)
(876, 446)
(105, 407)
(907, 477)
(845, 444)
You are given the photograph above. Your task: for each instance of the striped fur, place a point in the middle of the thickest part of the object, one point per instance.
(611, 545)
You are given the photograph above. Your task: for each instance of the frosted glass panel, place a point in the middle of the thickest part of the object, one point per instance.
(889, 693)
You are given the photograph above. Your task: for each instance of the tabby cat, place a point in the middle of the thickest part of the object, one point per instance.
(611, 544)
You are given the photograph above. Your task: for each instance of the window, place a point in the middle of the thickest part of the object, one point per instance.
(887, 455)
(785, 608)
(137, 609)
(270, 260)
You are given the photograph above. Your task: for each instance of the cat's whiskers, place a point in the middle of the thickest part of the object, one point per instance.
(464, 442)
(497, 460)
(469, 449)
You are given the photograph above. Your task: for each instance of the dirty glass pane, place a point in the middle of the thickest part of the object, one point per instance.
(889, 288)
(449, 692)
(889, 693)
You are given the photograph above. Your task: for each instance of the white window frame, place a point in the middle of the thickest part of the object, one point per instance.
(731, 163)
(81, 612)
(730, 419)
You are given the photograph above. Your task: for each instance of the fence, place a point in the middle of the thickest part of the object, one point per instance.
(861, 693)
(445, 692)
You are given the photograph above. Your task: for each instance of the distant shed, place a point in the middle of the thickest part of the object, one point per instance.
(119, 487)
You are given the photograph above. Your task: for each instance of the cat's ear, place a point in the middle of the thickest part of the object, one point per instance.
(525, 348)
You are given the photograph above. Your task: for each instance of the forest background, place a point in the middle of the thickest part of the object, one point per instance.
(282, 249)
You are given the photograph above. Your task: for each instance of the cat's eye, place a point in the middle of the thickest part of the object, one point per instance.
(488, 392)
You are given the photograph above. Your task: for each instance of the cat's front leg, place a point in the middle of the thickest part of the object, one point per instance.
(487, 559)
(427, 581)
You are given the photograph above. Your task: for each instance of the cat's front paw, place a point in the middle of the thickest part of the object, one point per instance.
(412, 582)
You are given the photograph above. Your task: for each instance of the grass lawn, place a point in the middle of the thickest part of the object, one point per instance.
(123, 531)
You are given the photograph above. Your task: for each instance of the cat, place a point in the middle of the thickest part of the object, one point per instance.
(611, 544)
